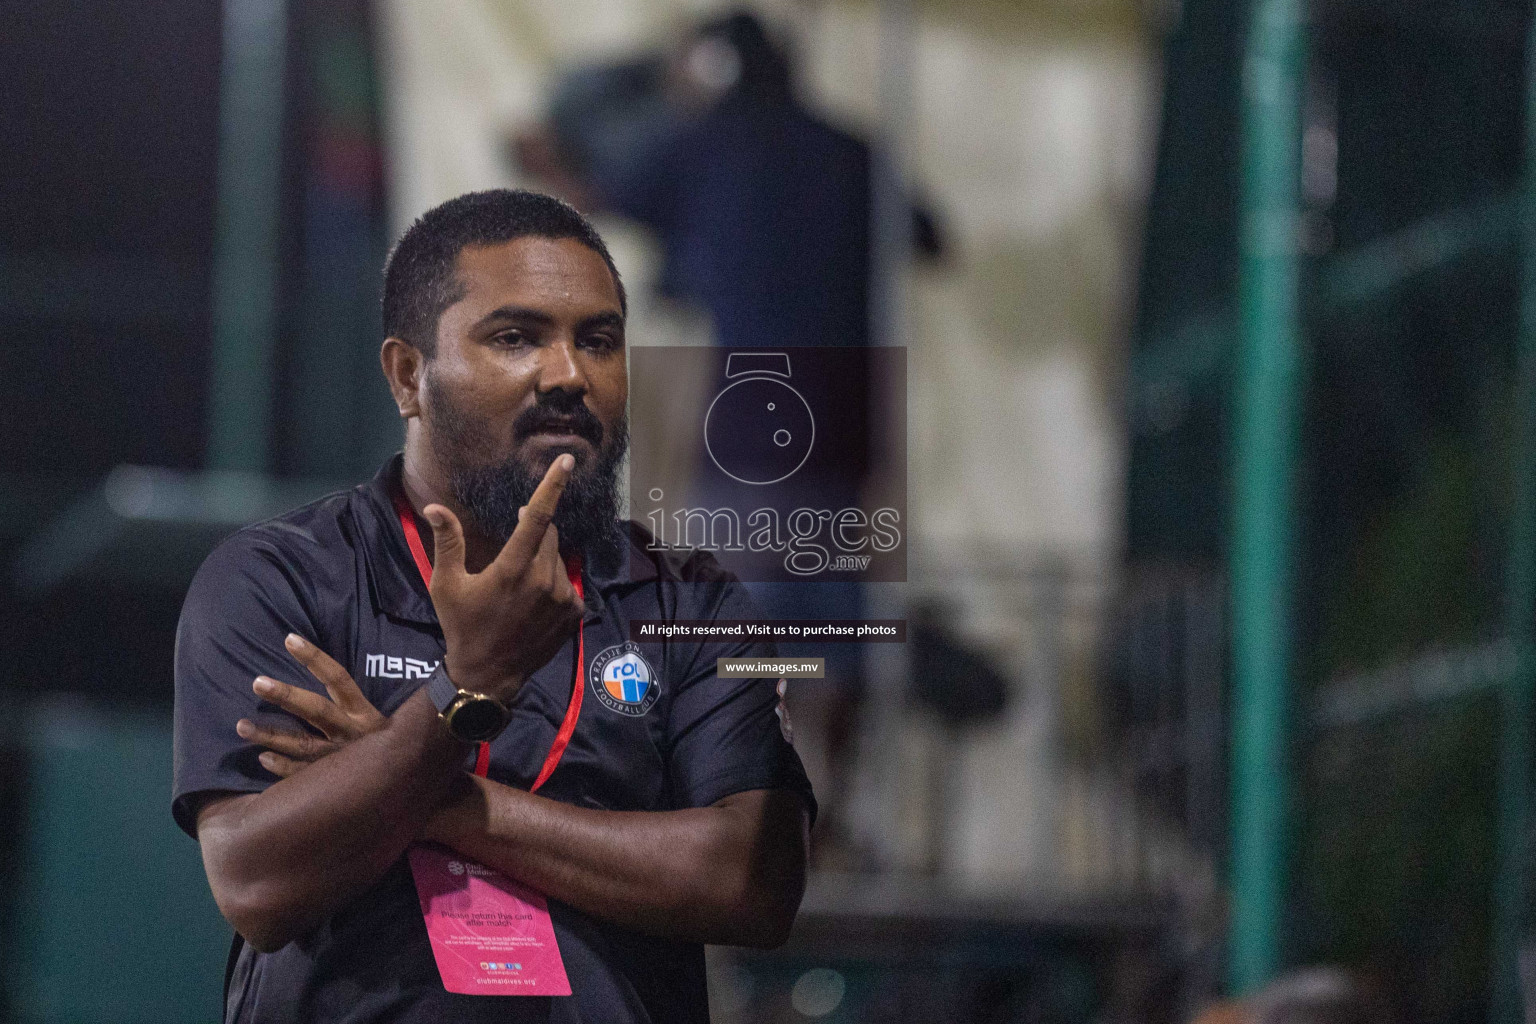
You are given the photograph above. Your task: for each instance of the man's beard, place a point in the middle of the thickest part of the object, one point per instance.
(490, 493)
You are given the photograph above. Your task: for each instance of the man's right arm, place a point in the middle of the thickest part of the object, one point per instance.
(283, 860)
(281, 855)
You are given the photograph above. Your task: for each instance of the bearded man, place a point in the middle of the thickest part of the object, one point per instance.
(440, 660)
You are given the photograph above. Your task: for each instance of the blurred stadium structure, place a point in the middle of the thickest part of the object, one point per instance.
(201, 197)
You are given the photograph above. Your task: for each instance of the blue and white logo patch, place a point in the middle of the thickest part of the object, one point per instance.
(623, 681)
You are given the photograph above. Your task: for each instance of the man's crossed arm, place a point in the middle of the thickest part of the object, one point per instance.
(347, 805)
(350, 802)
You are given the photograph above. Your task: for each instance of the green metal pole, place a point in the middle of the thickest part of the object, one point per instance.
(1266, 428)
(1511, 891)
(245, 235)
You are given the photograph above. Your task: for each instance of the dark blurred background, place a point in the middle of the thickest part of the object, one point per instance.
(1051, 805)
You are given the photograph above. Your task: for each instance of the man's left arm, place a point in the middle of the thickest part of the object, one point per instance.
(728, 866)
(730, 873)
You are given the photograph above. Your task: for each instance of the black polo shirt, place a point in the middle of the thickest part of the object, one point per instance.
(339, 573)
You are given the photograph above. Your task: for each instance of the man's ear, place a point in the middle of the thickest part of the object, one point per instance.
(403, 366)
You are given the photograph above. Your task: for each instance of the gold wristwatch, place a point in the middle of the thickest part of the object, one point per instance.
(472, 717)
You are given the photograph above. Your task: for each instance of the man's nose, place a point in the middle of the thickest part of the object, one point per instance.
(560, 368)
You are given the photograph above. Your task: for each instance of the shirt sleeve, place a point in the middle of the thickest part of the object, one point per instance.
(730, 735)
(244, 600)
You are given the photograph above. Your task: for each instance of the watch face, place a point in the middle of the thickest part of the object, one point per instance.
(477, 719)
(759, 430)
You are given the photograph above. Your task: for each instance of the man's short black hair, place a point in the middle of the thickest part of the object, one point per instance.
(419, 278)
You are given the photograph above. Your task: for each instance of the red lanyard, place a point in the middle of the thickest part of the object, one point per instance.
(572, 710)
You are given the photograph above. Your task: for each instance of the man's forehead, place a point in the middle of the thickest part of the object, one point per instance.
(536, 272)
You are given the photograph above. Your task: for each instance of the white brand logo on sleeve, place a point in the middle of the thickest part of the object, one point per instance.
(387, 666)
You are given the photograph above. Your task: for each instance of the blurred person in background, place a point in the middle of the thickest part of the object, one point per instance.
(440, 631)
(762, 208)
(763, 211)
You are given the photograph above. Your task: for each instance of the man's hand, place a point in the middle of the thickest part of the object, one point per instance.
(345, 717)
(502, 624)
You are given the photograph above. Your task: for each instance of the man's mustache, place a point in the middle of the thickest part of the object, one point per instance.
(565, 417)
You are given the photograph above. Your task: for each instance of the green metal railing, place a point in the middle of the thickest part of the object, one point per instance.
(1269, 383)
(245, 278)
(1269, 379)
(1510, 892)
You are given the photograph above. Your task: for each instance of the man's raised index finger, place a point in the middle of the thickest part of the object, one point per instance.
(540, 510)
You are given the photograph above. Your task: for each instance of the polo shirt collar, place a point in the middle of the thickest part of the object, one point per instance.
(621, 563)
(393, 579)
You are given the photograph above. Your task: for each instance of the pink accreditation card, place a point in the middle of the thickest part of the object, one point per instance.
(491, 936)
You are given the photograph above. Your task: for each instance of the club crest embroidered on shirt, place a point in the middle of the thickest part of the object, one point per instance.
(623, 681)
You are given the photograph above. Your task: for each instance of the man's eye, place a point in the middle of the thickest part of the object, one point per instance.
(511, 338)
(602, 342)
